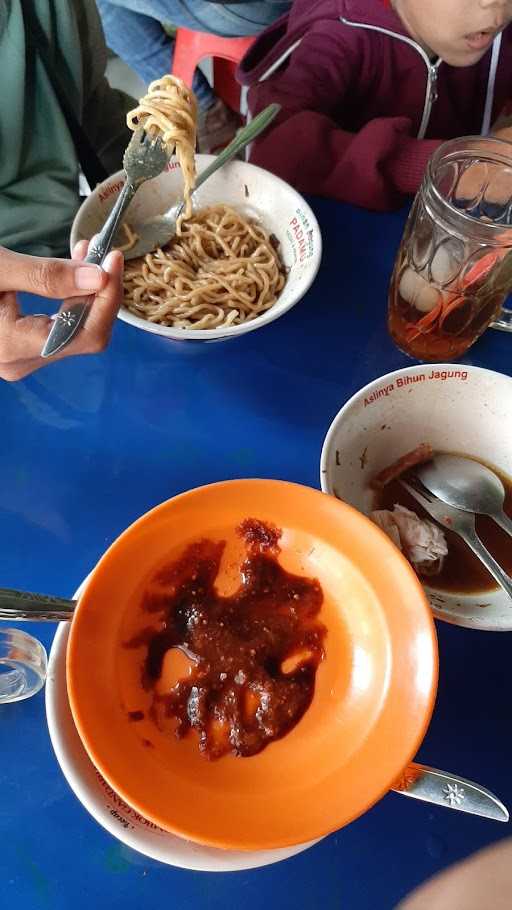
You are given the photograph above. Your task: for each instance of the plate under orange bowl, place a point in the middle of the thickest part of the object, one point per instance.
(374, 691)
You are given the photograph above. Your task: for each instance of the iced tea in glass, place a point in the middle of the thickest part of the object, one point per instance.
(453, 269)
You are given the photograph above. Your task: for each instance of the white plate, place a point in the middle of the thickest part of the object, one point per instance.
(254, 192)
(455, 408)
(108, 809)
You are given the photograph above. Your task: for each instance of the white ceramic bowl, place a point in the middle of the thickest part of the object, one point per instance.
(252, 191)
(108, 809)
(454, 408)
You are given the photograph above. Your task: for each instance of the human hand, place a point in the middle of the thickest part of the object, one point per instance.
(503, 132)
(22, 337)
(502, 126)
(482, 881)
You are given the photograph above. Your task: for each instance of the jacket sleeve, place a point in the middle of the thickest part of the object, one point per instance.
(374, 167)
(104, 109)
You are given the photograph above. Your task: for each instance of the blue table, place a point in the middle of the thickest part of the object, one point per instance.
(89, 444)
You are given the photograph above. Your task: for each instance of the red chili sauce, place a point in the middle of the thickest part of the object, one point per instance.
(254, 654)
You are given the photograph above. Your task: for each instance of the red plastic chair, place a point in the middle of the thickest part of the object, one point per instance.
(192, 47)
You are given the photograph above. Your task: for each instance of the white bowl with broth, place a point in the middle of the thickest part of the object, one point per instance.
(252, 191)
(455, 408)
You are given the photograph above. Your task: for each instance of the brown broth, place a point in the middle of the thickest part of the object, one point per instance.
(462, 571)
(253, 655)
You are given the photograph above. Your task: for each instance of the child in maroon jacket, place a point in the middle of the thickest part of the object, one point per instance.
(370, 88)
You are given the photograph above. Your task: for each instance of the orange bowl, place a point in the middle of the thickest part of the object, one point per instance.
(374, 691)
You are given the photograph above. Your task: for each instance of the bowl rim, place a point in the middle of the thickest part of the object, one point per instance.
(231, 331)
(481, 623)
(415, 737)
(366, 389)
(166, 848)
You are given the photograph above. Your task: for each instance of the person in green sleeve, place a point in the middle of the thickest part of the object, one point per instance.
(38, 161)
(39, 171)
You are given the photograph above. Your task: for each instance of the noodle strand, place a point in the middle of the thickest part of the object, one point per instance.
(170, 110)
(221, 270)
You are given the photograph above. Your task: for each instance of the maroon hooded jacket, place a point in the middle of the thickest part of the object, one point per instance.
(363, 106)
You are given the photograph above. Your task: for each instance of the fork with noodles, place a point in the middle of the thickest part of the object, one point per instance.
(169, 110)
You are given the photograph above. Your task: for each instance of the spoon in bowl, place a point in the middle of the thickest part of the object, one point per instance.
(465, 484)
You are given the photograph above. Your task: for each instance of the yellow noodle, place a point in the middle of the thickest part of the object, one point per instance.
(221, 270)
(170, 110)
(131, 238)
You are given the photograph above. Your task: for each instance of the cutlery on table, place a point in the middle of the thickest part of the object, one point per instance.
(18, 606)
(159, 230)
(462, 523)
(465, 484)
(416, 781)
(145, 157)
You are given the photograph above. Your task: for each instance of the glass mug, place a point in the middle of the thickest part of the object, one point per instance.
(23, 665)
(453, 269)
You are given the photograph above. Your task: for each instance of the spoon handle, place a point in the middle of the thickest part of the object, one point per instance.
(16, 606)
(502, 519)
(241, 140)
(443, 789)
(473, 541)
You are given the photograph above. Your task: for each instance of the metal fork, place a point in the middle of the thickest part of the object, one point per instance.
(159, 230)
(462, 523)
(145, 158)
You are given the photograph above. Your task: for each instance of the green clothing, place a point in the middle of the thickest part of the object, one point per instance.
(38, 162)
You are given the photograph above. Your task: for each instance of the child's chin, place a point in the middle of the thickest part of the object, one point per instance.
(464, 58)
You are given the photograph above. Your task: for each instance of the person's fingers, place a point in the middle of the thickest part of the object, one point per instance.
(59, 278)
(80, 250)
(95, 333)
(9, 309)
(108, 301)
(481, 882)
(22, 338)
(11, 372)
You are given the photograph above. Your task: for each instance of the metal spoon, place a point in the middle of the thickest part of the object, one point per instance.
(157, 231)
(465, 484)
(460, 522)
(17, 606)
(144, 158)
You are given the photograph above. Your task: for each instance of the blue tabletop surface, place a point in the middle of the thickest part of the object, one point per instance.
(89, 444)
